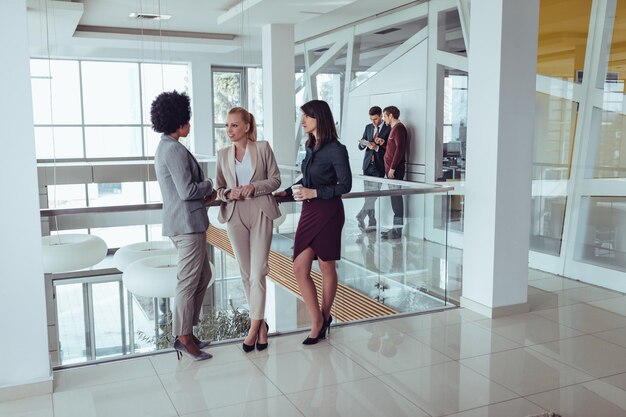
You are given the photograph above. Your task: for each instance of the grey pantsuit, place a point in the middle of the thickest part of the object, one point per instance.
(184, 187)
(194, 274)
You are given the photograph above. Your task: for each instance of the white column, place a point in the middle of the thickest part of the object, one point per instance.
(24, 363)
(278, 91)
(202, 107)
(502, 68)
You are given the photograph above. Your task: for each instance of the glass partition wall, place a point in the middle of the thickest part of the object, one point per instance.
(96, 318)
(578, 165)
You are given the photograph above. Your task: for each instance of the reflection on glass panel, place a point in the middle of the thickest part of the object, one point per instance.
(555, 126)
(71, 323)
(260, 133)
(111, 92)
(563, 27)
(112, 141)
(453, 119)
(228, 285)
(329, 90)
(452, 207)
(156, 78)
(602, 233)
(226, 94)
(66, 196)
(450, 37)
(67, 142)
(155, 232)
(255, 93)
(617, 59)
(373, 46)
(609, 135)
(116, 237)
(61, 80)
(115, 194)
(151, 141)
(221, 139)
(143, 316)
(547, 218)
(107, 319)
(153, 192)
(300, 135)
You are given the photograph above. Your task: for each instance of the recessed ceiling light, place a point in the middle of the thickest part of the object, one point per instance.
(149, 16)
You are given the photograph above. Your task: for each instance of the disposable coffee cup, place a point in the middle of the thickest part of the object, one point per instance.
(296, 188)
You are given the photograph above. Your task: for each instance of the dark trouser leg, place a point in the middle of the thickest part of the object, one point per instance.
(397, 205)
(369, 186)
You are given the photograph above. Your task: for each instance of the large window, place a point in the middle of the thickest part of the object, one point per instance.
(89, 111)
(236, 87)
(92, 109)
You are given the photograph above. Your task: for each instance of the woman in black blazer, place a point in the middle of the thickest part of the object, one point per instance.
(326, 176)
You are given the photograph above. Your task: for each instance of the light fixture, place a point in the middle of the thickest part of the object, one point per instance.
(155, 277)
(71, 252)
(128, 254)
(149, 16)
(67, 252)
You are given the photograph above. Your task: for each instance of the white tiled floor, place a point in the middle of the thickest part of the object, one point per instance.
(568, 355)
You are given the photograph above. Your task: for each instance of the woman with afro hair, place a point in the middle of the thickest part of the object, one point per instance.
(186, 192)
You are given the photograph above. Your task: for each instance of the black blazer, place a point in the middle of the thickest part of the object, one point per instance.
(368, 135)
(327, 170)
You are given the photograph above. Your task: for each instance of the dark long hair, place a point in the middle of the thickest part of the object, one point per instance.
(326, 131)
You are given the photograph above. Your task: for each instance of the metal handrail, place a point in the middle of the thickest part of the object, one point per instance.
(408, 188)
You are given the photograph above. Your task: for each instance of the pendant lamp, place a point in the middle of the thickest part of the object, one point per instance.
(71, 252)
(67, 252)
(155, 277)
(135, 251)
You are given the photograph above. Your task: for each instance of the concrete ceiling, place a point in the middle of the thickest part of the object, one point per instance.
(223, 31)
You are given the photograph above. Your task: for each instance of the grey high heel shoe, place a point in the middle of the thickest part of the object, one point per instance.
(180, 348)
(201, 343)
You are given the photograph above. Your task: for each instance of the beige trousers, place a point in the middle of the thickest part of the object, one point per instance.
(194, 274)
(250, 233)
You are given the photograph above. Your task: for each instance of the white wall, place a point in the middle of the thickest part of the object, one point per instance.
(24, 345)
(401, 84)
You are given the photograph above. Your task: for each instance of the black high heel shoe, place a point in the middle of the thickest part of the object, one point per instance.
(320, 335)
(327, 323)
(263, 346)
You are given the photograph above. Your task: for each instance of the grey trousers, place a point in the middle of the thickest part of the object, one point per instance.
(250, 233)
(194, 274)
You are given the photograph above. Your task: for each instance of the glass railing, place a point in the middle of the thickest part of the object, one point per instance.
(390, 264)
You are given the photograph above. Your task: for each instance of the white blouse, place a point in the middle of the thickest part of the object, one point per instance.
(243, 169)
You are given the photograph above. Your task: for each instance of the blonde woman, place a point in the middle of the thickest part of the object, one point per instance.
(247, 175)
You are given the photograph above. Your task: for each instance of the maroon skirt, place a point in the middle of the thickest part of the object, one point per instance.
(319, 228)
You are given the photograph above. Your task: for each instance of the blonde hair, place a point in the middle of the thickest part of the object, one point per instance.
(247, 118)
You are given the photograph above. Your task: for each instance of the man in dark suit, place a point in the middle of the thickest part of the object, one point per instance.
(375, 134)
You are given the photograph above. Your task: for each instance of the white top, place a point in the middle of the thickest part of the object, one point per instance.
(243, 169)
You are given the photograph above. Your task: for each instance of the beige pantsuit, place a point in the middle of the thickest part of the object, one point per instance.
(250, 233)
(249, 222)
(194, 274)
